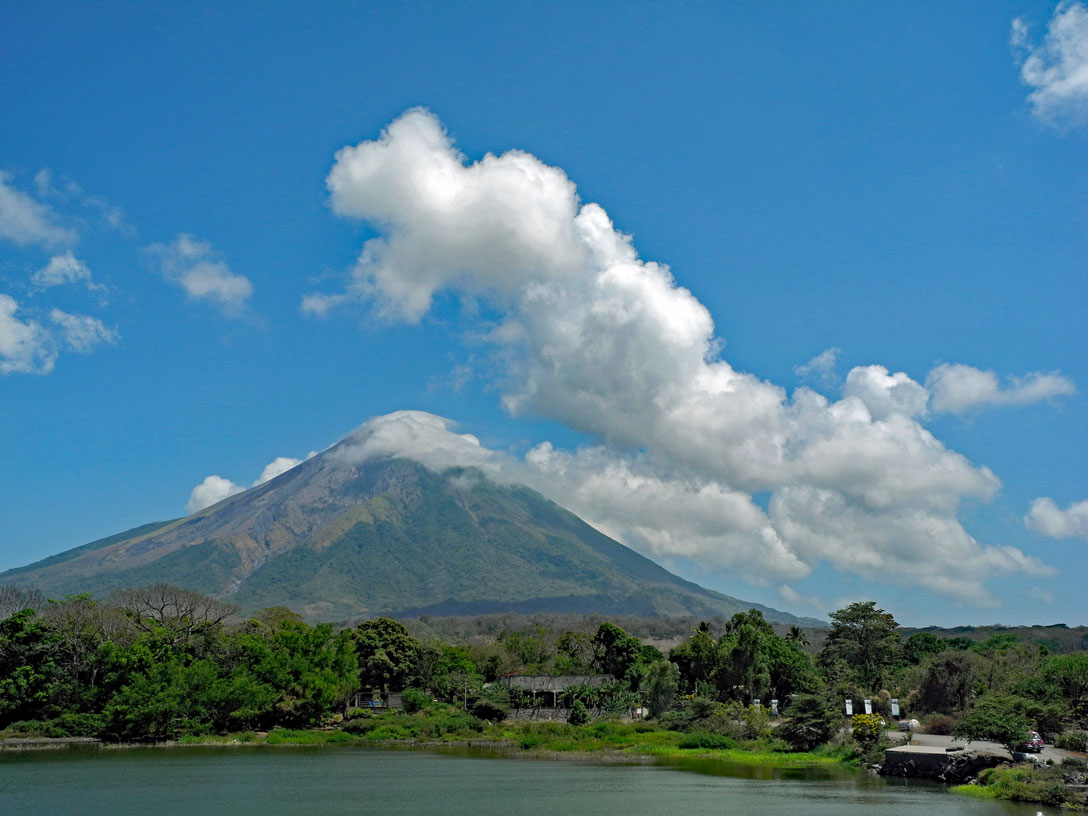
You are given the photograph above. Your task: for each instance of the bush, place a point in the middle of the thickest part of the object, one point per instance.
(813, 720)
(1073, 740)
(414, 700)
(705, 740)
(28, 728)
(867, 729)
(1026, 783)
(360, 725)
(76, 725)
(939, 724)
(579, 715)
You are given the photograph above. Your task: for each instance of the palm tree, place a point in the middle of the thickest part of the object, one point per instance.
(797, 635)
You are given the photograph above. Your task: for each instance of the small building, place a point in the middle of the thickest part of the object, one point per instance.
(544, 689)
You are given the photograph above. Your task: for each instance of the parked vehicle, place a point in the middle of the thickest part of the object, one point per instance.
(1034, 742)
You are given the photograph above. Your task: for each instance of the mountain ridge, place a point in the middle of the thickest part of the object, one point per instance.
(336, 539)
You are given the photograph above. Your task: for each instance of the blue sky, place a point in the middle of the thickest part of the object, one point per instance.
(903, 186)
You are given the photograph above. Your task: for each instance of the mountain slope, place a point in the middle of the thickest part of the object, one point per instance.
(337, 540)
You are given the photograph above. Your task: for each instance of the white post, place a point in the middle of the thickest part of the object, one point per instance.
(849, 707)
(755, 702)
(774, 708)
(868, 707)
(895, 708)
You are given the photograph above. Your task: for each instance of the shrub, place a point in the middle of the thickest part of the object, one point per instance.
(704, 740)
(867, 729)
(28, 728)
(939, 724)
(1026, 783)
(579, 715)
(414, 700)
(1073, 740)
(76, 725)
(361, 725)
(813, 720)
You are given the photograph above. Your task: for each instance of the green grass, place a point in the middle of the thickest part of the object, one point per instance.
(448, 724)
(1024, 783)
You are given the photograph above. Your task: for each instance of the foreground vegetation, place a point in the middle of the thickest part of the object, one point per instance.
(159, 663)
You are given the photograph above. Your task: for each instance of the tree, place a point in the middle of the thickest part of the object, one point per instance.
(387, 653)
(811, 721)
(865, 639)
(659, 687)
(575, 652)
(614, 652)
(797, 635)
(920, 644)
(27, 668)
(950, 681)
(185, 616)
(81, 627)
(15, 598)
(999, 718)
(744, 660)
(696, 658)
(1067, 675)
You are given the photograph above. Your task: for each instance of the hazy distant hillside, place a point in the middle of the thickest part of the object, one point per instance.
(335, 541)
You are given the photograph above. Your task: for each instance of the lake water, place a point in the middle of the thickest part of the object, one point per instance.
(330, 780)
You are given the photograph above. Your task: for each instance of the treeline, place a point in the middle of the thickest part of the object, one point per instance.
(160, 662)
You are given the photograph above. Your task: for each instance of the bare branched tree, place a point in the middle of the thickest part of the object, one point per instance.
(82, 625)
(181, 612)
(14, 598)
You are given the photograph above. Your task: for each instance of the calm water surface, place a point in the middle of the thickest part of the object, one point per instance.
(325, 781)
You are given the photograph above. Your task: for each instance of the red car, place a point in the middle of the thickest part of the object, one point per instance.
(1034, 742)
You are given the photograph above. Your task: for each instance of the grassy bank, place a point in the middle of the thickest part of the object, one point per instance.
(1041, 784)
(447, 725)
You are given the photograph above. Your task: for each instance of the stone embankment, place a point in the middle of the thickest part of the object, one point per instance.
(954, 766)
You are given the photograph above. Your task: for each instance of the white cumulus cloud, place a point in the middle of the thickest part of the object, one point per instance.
(1047, 518)
(26, 221)
(956, 388)
(81, 333)
(821, 367)
(1056, 69)
(29, 347)
(610, 345)
(418, 435)
(196, 267)
(278, 466)
(211, 491)
(61, 269)
(25, 347)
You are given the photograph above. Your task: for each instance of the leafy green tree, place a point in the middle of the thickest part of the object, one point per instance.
(811, 721)
(920, 644)
(866, 640)
(387, 654)
(696, 658)
(28, 671)
(744, 658)
(574, 652)
(1067, 675)
(951, 680)
(999, 718)
(81, 626)
(659, 687)
(614, 652)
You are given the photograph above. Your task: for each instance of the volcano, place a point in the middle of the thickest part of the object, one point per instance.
(339, 540)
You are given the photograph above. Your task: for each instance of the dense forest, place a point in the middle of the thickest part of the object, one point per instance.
(159, 662)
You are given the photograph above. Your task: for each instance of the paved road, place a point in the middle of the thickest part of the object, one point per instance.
(981, 746)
